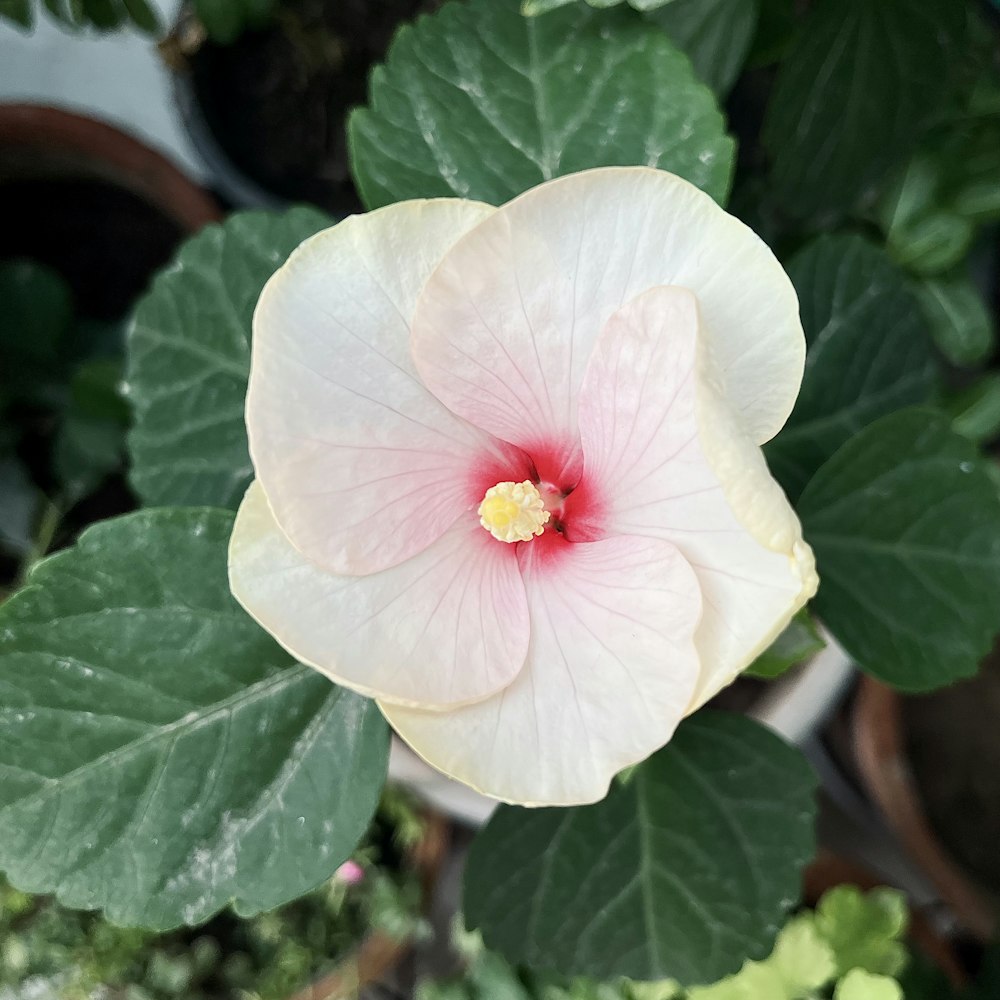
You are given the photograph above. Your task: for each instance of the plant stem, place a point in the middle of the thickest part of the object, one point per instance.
(47, 527)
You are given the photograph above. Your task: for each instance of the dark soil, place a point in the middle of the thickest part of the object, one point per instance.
(953, 742)
(277, 99)
(105, 241)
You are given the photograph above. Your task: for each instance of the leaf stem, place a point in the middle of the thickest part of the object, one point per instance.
(48, 525)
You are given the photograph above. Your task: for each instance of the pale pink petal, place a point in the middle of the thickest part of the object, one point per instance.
(666, 457)
(610, 671)
(362, 466)
(447, 627)
(506, 324)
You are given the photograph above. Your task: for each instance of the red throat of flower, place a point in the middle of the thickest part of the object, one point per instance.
(550, 503)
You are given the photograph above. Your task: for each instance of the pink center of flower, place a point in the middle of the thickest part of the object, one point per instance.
(553, 501)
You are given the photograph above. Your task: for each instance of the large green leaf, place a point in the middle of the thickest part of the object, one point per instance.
(905, 523)
(189, 358)
(683, 871)
(869, 352)
(478, 101)
(852, 97)
(716, 34)
(161, 755)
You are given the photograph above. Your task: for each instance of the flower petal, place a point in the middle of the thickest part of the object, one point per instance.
(362, 466)
(505, 326)
(667, 457)
(610, 672)
(447, 627)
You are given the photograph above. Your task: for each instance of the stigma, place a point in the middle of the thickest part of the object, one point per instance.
(513, 512)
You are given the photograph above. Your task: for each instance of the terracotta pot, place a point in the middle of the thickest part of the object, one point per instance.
(36, 140)
(880, 751)
(378, 954)
(830, 870)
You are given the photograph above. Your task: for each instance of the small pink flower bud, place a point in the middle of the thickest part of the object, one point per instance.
(350, 873)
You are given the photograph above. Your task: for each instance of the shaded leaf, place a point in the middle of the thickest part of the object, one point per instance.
(226, 20)
(87, 450)
(531, 8)
(859, 85)
(18, 505)
(959, 319)
(96, 390)
(716, 35)
(976, 411)
(35, 323)
(799, 641)
(869, 352)
(905, 523)
(20, 12)
(923, 231)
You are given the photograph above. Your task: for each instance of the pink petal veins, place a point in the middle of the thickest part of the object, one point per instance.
(447, 627)
(505, 326)
(666, 457)
(362, 466)
(610, 672)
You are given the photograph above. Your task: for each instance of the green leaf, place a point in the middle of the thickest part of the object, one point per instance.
(716, 35)
(102, 14)
(189, 358)
(864, 929)
(143, 16)
(35, 321)
(161, 754)
(923, 231)
(20, 12)
(905, 523)
(531, 8)
(802, 959)
(682, 872)
(959, 319)
(775, 31)
(87, 450)
(861, 985)
(860, 84)
(755, 981)
(478, 101)
(869, 352)
(976, 411)
(226, 20)
(800, 964)
(799, 641)
(96, 390)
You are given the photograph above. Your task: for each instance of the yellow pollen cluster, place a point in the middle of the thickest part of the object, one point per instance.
(513, 512)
